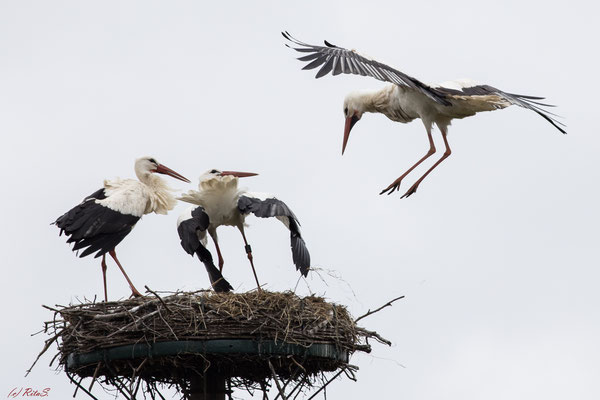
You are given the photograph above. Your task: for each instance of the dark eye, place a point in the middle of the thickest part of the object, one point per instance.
(214, 171)
(346, 111)
(153, 161)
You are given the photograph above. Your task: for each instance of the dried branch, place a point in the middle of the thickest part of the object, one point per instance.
(274, 375)
(388, 304)
(46, 347)
(158, 297)
(375, 335)
(326, 384)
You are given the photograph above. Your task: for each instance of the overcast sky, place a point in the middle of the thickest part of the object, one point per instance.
(497, 253)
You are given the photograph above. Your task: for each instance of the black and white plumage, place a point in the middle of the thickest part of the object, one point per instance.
(191, 227)
(408, 98)
(225, 204)
(94, 227)
(103, 219)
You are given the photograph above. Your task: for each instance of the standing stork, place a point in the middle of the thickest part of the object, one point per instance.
(104, 218)
(409, 98)
(221, 202)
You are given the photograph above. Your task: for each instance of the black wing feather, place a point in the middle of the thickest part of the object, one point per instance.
(94, 227)
(276, 208)
(351, 62)
(188, 234)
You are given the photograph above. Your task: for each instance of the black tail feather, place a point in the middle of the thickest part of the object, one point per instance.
(219, 284)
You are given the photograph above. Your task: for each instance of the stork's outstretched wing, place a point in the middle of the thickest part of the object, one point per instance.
(337, 60)
(272, 207)
(529, 102)
(190, 225)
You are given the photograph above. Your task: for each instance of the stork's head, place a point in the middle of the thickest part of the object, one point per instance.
(215, 175)
(354, 107)
(144, 166)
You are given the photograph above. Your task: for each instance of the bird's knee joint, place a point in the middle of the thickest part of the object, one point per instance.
(248, 250)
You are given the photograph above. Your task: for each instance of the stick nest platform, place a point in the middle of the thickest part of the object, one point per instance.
(247, 338)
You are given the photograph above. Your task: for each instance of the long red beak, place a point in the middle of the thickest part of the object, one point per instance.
(350, 121)
(162, 169)
(238, 174)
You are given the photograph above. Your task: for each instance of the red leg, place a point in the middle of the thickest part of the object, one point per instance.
(134, 291)
(221, 261)
(396, 184)
(249, 253)
(447, 153)
(103, 265)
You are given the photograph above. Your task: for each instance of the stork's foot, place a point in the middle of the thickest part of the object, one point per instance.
(412, 190)
(393, 187)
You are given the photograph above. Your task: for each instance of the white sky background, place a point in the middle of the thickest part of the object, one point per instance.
(497, 253)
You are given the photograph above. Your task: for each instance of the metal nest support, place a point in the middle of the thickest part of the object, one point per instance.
(206, 345)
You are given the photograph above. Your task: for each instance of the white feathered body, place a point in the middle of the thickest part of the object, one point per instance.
(133, 197)
(219, 198)
(403, 104)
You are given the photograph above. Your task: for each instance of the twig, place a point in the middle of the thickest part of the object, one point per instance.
(158, 297)
(298, 386)
(276, 380)
(50, 308)
(167, 324)
(95, 375)
(135, 322)
(46, 347)
(389, 303)
(292, 378)
(81, 387)
(327, 383)
(375, 335)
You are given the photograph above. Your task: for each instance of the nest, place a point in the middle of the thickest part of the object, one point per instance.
(247, 338)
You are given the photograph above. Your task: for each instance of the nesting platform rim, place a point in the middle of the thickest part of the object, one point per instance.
(207, 347)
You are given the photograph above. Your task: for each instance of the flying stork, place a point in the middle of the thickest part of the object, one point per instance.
(221, 202)
(104, 218)
(409, 98)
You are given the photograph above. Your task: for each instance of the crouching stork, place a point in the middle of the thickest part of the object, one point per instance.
(103, 219)
(225, 204)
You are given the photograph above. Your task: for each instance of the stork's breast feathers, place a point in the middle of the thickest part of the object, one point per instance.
(161, 202)
(132, 197)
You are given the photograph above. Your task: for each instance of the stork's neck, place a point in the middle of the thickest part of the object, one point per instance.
(392, 101)
(361, 101)
(374, 101)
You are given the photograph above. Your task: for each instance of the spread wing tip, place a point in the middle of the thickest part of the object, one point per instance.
(300, 255)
